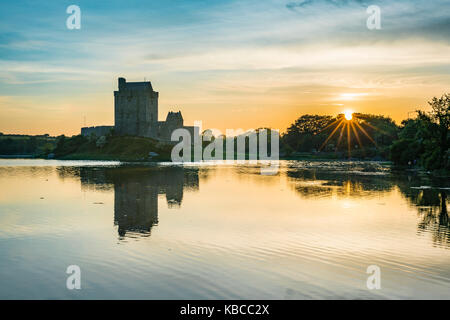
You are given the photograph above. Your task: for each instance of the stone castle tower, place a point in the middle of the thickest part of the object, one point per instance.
(136, 109)
(136, 114)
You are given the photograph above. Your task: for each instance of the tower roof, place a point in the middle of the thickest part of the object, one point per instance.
(134, 85)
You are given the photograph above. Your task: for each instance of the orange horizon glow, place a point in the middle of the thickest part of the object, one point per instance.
(55, 116)
(215, 63)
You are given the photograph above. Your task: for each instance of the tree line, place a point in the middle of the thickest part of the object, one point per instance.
(26, 145)
(421, 141)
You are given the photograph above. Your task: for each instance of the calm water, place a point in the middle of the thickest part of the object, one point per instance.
(220, 231)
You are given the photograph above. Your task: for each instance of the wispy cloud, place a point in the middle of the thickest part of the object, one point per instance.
(226, 51)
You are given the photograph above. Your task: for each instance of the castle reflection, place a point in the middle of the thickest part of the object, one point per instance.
(136, 192)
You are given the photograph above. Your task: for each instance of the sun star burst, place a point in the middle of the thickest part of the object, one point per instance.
(348, 115)
(348, 124)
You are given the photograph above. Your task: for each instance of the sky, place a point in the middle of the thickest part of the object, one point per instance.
(230, 64)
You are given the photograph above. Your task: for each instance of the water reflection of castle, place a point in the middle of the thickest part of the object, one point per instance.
(136, 195)
(136, 191)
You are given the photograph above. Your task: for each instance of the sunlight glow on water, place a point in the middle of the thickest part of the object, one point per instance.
(220, 231)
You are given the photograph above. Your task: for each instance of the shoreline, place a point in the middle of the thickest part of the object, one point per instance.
(392, 167)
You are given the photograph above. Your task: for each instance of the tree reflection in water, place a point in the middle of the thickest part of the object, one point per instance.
(428, 196)
(431, 205)
(136, 190)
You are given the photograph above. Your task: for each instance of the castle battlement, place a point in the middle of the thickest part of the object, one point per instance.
(123, 85)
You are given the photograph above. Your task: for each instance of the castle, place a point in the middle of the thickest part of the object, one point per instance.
(136, 114)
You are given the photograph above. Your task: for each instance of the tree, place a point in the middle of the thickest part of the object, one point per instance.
(100, 143)
(407, 149)
(31, 145)
(382, 129)
(306, 133)
(311, 124)
(66, 145)
(426, 138)
(439, 124)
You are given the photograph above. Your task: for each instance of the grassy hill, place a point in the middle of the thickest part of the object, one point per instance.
(122, 148)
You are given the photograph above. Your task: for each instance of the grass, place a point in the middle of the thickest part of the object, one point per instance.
(121, 148)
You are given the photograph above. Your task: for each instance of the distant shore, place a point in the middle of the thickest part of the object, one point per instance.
(95, 156)
(17, 156)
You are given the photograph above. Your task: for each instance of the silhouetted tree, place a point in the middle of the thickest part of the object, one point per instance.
(434, 129)
(425, 138)
(306, 133)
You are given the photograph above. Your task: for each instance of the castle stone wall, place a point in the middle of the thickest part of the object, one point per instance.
(97, 131)
(136, 109)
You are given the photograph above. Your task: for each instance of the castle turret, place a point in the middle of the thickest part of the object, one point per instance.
(122, 82)
(175, 119)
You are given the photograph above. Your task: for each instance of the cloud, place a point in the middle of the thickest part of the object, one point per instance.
(337, 3)
(225, 51)
(298, 4)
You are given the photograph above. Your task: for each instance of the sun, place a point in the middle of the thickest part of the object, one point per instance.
(348, 115)
(348, 122)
